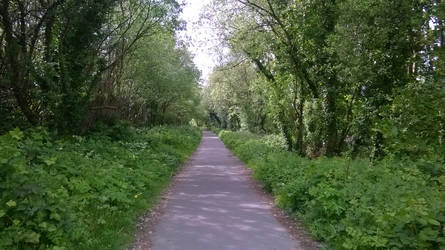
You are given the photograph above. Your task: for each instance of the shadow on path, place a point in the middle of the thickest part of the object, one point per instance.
(213, 206)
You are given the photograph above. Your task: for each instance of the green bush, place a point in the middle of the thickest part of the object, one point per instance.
(275, 141)
(83, 192)
(349, 204)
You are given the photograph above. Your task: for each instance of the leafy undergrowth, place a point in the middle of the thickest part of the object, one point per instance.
(84, 192)
(349, 204)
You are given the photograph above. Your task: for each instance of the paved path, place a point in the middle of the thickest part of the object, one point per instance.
(213, 206)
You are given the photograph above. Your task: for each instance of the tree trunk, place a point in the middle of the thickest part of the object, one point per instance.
(19, 81)
(16, 66)
(286, 131)
(331, 129)
(300, 122)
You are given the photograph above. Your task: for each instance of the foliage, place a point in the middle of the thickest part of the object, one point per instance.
(84, 192)
(161, 83)
(337, 76)
(348, 203)
(234, 99)
(413, 127)
(69, 64)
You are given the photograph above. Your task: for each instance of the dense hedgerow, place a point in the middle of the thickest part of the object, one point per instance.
(348, 203)
(83, 192)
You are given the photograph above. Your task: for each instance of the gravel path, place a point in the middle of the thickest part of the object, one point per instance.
(213, 205)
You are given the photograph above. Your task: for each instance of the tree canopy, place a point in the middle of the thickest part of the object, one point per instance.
(334, 77)
(69, 64)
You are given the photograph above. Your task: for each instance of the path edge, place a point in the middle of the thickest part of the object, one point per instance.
(293, 225)
(145, 223)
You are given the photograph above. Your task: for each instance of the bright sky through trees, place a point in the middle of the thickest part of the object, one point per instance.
(201, 38)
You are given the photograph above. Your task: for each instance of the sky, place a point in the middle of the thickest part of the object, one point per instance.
(199, 37)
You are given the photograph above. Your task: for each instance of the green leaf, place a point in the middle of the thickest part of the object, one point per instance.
(58, 248)
(30, 237)
(16, 134)
(428, 234)
(442, 179)
(50, 161)
(394, 131)
(55, 216)
(11, 203)
(434, 222)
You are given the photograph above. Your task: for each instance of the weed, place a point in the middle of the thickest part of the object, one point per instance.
(84, 192)
(347, 203)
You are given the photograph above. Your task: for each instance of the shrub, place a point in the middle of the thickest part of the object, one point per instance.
(83, 192)
(275, 141)
(348, 203)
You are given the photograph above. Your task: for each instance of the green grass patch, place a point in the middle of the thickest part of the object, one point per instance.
(348, 203)
(84, 192)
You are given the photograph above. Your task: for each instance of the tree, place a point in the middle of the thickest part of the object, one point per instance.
(65, 60)
(161, 83)
(334, 68)
(235, 98)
